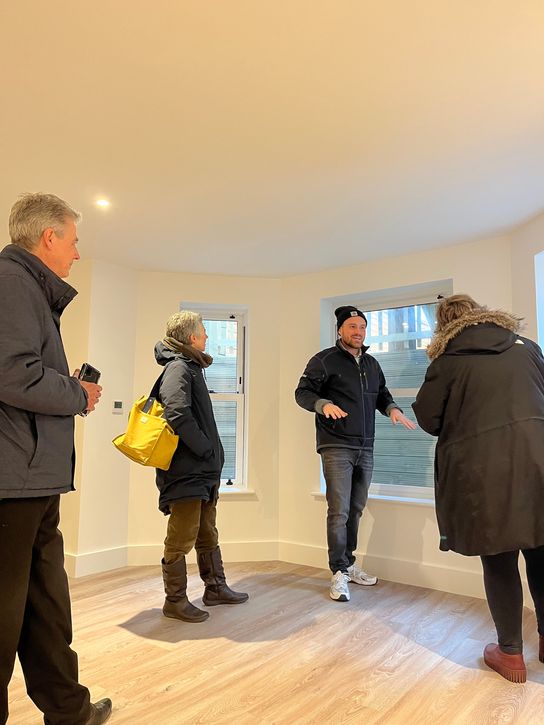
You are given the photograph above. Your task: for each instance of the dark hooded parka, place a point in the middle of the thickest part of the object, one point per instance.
(195, 470)
(483, 396)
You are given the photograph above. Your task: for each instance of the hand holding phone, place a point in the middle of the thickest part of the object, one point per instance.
(88, 377)
(89, 374)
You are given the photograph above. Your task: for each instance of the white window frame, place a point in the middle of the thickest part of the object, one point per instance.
(368, 301)
(539, 293)
(240, 314)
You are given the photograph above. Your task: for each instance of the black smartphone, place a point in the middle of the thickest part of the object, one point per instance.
(89, 374)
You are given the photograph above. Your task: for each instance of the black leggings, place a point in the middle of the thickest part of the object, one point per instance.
(505, 595)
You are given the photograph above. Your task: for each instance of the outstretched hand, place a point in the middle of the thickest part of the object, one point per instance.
(333, 411)
(398, 417)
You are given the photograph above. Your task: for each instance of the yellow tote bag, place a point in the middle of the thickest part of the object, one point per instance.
(149, 438)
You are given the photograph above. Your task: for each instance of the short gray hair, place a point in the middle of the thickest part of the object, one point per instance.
(181, 325)
(32, 214)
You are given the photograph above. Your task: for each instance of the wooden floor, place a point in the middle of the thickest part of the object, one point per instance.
(393, 654)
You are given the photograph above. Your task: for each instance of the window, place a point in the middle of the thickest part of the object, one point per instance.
(539, 286)
(401, 323)
(398, 338)
(225, 379)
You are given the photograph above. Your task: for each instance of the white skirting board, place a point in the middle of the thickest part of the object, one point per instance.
(448, 579)
(95, 562)
(455, 580)
(98, 561)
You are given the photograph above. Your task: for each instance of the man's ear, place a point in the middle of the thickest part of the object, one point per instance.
(47, 237)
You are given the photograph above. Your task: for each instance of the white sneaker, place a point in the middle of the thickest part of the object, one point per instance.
(358, 576)
(339, 587)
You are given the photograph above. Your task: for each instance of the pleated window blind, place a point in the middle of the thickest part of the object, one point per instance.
(398, 338)
(225, 383)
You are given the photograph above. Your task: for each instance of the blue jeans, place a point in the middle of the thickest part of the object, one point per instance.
(347, 472)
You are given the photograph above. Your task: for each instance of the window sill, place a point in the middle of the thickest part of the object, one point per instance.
(237, 494)
(320, 496)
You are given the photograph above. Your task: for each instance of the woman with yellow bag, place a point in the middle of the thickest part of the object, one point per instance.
(189, 488)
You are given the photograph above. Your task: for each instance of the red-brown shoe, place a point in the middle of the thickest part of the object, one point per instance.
(541, 648)
(511, 667)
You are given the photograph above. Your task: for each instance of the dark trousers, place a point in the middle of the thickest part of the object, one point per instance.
(347, 473)
(505, 595)
(35, 616)
(191, 523)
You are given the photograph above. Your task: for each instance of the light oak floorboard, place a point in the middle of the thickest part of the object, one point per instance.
(394, 654)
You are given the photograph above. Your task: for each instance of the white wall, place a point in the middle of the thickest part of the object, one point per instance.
(99, 328)
(125, 312)
(400, 539)
(75, 334)
(248, 524)
(112, 519)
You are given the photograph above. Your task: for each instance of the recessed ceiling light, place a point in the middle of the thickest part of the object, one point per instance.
(102, 203)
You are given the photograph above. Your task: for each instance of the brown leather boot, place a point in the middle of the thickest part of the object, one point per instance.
(176, 604)
(217, 591)
(541, 647)
(511, 667)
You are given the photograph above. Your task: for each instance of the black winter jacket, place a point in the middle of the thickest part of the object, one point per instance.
(483, 396)
(358, 388)
(195, 470)
(38, 397)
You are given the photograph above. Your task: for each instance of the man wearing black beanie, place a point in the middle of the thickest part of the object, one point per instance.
(344, 386)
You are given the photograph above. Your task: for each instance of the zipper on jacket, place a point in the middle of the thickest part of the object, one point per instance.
(362, 378)
(364, 384)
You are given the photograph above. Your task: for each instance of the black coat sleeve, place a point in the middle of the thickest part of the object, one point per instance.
(176, 395)
(432, 399)
(308, 391)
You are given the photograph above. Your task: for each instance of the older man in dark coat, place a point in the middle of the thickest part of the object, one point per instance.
(38, 401)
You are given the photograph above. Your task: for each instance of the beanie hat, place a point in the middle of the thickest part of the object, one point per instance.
(345, 312)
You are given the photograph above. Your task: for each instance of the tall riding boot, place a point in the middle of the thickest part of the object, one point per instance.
(212, 574)
(176, 604)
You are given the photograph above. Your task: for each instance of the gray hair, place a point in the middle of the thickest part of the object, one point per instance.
(32, 214)
(181, 325)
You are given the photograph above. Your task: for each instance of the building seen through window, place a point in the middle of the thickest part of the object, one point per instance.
(225, 383)
(398, 339)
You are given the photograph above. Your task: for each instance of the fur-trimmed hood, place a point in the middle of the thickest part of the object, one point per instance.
(505, 320)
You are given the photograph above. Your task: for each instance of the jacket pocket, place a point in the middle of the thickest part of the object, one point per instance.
(52, 459)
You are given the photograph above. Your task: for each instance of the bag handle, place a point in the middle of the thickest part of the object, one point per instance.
(154, 392)
(155, 389)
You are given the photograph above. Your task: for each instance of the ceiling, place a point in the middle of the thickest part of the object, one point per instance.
(274, 137)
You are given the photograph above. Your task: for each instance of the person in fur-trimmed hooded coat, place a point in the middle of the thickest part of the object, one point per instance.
(483, 396)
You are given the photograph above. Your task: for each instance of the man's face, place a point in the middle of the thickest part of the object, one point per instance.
(199, 340)
(353, 332)
(63, 249)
